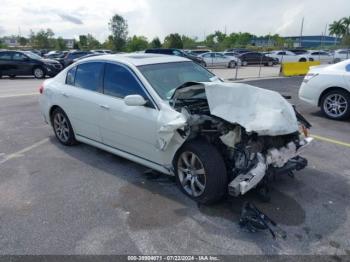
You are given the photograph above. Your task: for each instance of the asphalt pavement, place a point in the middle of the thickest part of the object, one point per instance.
(82, 200)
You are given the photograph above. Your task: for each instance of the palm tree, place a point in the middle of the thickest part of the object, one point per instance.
(346, 23)
(337, 28)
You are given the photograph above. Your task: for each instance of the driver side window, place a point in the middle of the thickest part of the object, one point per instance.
(119, 82)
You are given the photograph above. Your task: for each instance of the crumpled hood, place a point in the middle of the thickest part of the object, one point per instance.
(262, 111)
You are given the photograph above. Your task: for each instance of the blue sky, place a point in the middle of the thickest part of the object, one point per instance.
(160, 17)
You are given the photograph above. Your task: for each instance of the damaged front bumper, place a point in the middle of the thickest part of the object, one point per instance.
(276, 161)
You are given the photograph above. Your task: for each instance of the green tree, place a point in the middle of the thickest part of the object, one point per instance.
(155, 43)
(108, 44)
(22, 41)
(188, 42)
(337, 28)
(137, 43)
(346, 23)
(60, 44)
(173, 41)
(43, 39)
(119, 28)
(82, 42)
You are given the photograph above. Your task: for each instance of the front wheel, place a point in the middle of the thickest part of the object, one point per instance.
(62, 128)
(336, 104)
(39, 73)
(201, 172)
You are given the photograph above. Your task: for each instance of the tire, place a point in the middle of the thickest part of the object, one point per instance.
(336, 104)
(12, 76)
(244, 63)
(204, 64)
(302, 60)
(311, 59)
(231, 64)
(210, 183)
(270, 63)
(38, 72)
(336, 60)
(62, 127)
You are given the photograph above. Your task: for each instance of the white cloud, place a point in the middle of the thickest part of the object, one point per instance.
(160, 17)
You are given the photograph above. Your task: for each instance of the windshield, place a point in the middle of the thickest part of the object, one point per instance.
(32, 55)
(165, 78)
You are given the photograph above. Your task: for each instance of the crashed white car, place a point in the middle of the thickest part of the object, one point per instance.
(174, 116)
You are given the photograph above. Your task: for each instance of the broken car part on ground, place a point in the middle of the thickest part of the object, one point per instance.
(256, 132)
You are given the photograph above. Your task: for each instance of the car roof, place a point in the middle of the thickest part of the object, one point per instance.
(138, 59)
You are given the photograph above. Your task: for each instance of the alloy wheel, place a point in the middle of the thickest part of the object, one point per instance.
(335, 105)
(38, 73)
(191, 173)
(61, 127)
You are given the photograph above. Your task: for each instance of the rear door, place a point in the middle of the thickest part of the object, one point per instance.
(220, 60)
(22, 64)
(5, 63)
(81, 98)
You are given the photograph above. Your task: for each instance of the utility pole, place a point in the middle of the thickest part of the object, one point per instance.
(301, 31)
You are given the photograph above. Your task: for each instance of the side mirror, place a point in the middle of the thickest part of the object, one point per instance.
(134, 100)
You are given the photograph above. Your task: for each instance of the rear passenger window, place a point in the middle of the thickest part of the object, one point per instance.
(71, 76)
(89, 75)
(120, 82)
(5, 56)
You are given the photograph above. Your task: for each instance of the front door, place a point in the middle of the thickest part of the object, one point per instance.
(132, 129)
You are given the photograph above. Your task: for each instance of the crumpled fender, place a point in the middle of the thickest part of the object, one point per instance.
(169, 121)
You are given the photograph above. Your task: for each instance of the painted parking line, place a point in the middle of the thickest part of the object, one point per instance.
(24, 150)
(331, 140)
(17, 95)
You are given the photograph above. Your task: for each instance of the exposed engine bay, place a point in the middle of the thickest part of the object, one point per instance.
(249, 155)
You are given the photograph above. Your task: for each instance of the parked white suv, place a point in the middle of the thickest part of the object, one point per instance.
(174, 116)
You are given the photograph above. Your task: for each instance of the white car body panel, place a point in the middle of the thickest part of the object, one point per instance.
(327, 77)
(147, 135)
(287, 57)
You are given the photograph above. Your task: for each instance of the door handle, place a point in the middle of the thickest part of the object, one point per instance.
(65, 94)
(104, 107)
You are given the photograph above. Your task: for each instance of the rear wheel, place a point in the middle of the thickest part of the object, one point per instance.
(302, 60)
(201, 172)
(62, 127)
(231, 64)
(336, 104)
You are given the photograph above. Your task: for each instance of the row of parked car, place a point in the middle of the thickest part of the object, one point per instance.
(19, 63)
(14, 63)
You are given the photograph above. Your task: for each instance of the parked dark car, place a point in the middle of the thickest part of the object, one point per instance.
(20, 63)
(177, 52)
(254, 58)
(69, 58)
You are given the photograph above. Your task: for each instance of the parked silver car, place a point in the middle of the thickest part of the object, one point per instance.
(218, 59)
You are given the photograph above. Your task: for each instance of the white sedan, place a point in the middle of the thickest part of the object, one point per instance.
(218, 59)
(174, 116)
(284, 56)
(328, 87)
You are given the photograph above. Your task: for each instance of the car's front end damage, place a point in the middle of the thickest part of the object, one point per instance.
(256, 130)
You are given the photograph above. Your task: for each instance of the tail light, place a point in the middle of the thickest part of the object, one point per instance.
(41, 88)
